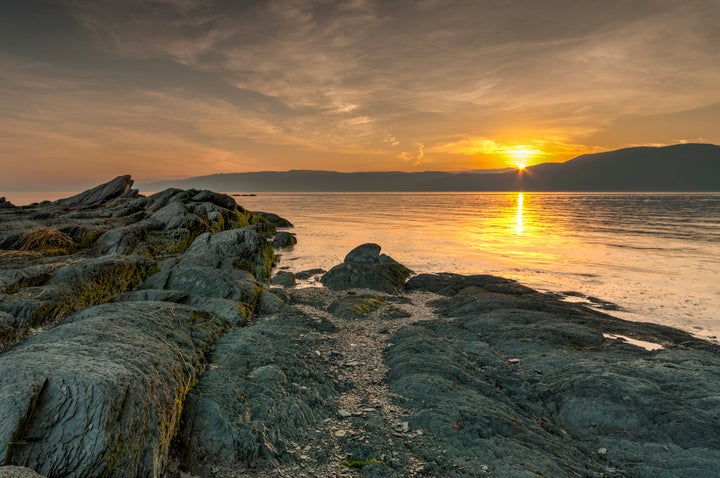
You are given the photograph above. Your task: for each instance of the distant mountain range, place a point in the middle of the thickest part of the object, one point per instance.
(681, 167)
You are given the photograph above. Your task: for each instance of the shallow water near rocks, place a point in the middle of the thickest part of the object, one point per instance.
(653, 256)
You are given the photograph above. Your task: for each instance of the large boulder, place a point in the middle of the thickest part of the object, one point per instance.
(101, 393)
(365, 268)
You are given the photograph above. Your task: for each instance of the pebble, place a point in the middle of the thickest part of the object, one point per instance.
(344, 413)
(514, 360)
(602, 451)
(340, 433)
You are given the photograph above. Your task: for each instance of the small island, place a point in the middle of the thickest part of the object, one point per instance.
(148, 336)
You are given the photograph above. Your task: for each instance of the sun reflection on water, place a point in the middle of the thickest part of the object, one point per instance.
(519, 216)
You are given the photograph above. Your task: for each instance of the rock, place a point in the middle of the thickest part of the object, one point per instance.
(101, 393)
(450, 284)
(203, 281)
(5, 204)
(271, 302)
(356, 306)
(452, 375)
(284, 279)
(18, 472)
(307, 274)
(267, 390)
(244, 248)
(364, 267)
(221, 200)
(72, 287)
(274, 219)
(342, 413)
(99, 194)
(284, 239)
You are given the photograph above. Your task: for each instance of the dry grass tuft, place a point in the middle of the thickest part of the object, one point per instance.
(46, 239)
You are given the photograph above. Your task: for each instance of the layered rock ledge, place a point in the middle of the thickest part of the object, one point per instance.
(143, 338)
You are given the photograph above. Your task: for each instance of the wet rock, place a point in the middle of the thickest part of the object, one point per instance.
(284, 239)
(307, 274)
(364, 267)
(274, 219)
(284, 279)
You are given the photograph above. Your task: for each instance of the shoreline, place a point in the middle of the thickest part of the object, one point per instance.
(153, 329)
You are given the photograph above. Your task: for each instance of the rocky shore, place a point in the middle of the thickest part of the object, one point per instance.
(148, 337)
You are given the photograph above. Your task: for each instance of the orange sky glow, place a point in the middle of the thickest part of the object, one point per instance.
(167, 89)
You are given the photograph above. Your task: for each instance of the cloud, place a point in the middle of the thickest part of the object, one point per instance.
(415, 158)
(351, 84)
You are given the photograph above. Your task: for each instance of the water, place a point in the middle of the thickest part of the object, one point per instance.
(657, 256)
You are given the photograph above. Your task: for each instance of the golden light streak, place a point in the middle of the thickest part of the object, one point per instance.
(519, 215)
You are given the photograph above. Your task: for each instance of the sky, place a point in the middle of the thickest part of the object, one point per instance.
(164, 89)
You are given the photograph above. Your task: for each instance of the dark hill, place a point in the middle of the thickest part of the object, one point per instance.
(681, 167)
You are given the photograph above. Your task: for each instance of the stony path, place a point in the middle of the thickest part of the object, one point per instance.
(355, 356)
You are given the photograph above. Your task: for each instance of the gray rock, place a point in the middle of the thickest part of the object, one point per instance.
(17, 472)
(364, 267)
(222, 200)
(5, 204)
(204, 281)
(307, 274)
(534, 381)
(72, 287)
(101, 393)
(284, 239)
(266, 391)
(271, 302)
(237, 313)
(356, 306)
(99, 194)
(284, 279)
(450, 284)
(274, 219)
(243, 249)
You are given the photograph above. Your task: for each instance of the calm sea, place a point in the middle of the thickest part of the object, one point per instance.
(657, 256)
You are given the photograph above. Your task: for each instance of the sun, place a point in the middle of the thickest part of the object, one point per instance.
(521, 154)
